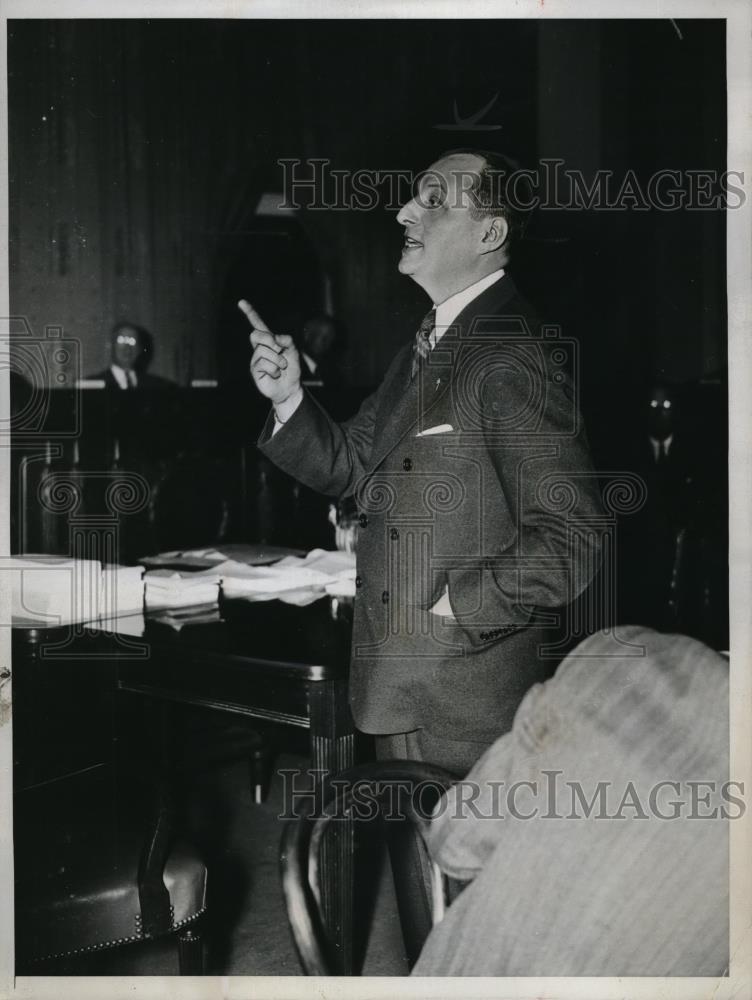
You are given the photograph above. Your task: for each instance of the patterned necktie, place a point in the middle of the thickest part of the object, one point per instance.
(422, 345)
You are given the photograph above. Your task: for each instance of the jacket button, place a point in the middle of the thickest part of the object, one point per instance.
(385, 597)
(394, 534)
(407, 464)
(363, 521)
(358, 581)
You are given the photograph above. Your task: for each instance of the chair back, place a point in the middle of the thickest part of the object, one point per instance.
(359, 793)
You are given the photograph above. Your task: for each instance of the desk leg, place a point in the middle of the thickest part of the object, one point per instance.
(333, 750)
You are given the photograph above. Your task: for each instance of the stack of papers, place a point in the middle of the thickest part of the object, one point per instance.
(171, 589)
(122, 590)
(250, 554)
(54, 590)
(293, 579)
(178, 618)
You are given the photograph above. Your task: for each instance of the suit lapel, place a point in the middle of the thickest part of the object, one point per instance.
(487, 304)
(442, 361)
(410, 401)
(401, 405)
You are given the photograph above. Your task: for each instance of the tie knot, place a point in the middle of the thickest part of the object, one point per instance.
(422, 346)
(427, 325)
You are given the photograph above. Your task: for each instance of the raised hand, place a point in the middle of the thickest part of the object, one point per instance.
(275, 365)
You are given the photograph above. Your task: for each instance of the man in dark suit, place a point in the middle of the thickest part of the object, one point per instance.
(132, 350)
(471, 474)
(476, 496)
(672, 562)
(318, 352)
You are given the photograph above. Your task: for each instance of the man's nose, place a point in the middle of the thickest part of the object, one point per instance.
(408, 214)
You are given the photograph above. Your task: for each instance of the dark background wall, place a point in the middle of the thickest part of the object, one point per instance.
(139, 149)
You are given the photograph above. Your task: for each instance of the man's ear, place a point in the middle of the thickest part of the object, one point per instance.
(495, 234)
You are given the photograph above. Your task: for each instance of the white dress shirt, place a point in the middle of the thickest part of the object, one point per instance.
(656, 444)
(448, 310)
(125, 379)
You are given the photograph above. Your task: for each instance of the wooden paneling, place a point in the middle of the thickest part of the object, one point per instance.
(139, 150)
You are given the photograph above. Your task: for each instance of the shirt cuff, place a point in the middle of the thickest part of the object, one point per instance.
(283, 411)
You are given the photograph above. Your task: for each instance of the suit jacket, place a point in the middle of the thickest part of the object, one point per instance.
(488, 508)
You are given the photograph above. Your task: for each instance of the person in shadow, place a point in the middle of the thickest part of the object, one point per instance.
(143, 426)
(132, 353)
(665, 547)
(320, 343)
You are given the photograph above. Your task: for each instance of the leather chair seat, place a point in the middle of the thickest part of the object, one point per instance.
(79, 843)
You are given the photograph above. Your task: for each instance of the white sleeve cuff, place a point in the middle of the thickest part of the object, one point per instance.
(283, 411)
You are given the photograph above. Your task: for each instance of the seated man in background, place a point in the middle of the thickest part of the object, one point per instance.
(132, 353)
(319, 349)
(144, 435)
(672, 559)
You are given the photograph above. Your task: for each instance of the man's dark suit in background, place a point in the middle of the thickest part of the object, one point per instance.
(132, 350)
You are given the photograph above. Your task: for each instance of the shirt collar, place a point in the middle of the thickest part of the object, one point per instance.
(122, 377)
(448, 311)
(657, 444)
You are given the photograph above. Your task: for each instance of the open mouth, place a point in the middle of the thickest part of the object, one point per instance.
(411, 244)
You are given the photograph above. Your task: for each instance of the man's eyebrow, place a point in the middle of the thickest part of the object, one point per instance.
(427, 185)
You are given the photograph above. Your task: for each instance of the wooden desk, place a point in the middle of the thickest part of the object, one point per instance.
(265, 660)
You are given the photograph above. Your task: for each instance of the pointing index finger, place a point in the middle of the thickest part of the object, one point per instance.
(252, 316)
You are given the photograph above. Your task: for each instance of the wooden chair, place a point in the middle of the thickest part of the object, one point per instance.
(97, 867)
(303, 837)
